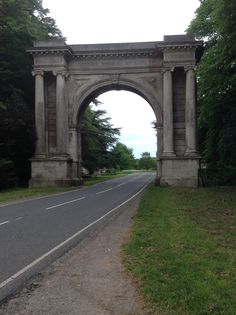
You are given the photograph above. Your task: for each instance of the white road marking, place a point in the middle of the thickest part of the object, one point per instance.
(10, 203)
(19, 218)
(120, 184)
(5, 222)
(103, 191)
(36, 261)
(64, 203)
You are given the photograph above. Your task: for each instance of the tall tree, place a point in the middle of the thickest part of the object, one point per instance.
(98, 136)
(215, 22)
(122, 157)
(21, 22)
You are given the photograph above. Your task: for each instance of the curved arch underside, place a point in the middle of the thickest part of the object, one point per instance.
(82, 100)
(67, 78)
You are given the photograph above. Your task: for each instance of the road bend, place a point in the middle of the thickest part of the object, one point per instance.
(34, 232)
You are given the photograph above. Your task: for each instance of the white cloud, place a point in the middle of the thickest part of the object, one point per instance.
(93, 21)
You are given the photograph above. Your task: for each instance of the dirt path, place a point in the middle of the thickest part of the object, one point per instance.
(88, 280)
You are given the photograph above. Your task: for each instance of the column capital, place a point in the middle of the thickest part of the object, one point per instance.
(190, 67)
(60, 72)
(167, 69)
(73, 128)
(159, 127)
(37, 72)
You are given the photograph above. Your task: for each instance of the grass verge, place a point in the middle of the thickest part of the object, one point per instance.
(23, 193)
(182, 250)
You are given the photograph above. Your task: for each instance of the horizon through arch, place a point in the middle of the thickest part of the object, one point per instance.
(138, 134)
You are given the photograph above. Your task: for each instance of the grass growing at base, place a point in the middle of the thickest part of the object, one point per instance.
(182, 250)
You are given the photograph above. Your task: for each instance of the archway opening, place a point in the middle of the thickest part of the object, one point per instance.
(136, 120)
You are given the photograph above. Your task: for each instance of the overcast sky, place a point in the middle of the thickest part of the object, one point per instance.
(108, 21)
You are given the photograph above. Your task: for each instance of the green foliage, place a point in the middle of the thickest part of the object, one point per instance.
(122, 157)
(7, 176)
(215, 22)
(16, 140)
(21, 22)
(147, 162)
(97, 138)
(182, 250)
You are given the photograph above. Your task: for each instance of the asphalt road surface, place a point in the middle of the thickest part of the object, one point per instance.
(34, 232)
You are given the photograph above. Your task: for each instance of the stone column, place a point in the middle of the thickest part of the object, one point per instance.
(190, 113)
(61, 114)
(159, 140)
(40, 114)
(79, 155)
(73, 150)
(168, 128)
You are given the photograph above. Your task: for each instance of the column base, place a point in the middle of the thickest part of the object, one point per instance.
(54, 171)
(179, 171)
(191, 153)
(168, 154)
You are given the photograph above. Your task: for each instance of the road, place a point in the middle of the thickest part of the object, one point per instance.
(34, 232)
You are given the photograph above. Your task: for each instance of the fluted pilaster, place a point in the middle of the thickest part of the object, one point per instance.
(168, 128)
(61, 113)
(40, 113)
(190, 113)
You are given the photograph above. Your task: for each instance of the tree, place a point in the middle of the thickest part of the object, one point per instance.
(146, 161)
(21, 22)
(122, 157)
(215, 22)
(98, 136)
(16, 140)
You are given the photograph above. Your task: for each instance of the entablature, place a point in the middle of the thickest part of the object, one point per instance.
(182, 45)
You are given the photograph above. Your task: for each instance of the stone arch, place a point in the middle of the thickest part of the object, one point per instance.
(67, 77)
(96, 88)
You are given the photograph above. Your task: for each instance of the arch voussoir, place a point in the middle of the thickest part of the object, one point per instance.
(95, 88)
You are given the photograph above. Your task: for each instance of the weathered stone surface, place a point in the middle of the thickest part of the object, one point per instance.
(180, 172)
(69, 77)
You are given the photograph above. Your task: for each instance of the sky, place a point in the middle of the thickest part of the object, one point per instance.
(108, 21)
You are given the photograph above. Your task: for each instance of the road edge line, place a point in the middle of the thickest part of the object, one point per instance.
(53, 250)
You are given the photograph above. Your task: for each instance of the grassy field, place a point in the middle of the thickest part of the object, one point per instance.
(182, 251)
(22, 193)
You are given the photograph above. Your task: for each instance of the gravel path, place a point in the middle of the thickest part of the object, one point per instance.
(88, 280)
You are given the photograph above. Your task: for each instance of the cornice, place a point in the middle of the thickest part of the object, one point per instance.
(184, 46)
(150, 50)
(116, 54)
(93, 54)
(49, 51)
